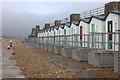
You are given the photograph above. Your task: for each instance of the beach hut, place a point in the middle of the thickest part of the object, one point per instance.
(49, 34)
(52, 39)
(39, 39)
(82, 31)
(46, 38)
(42, 39)
(56, 31)
(112, 25)
(74, 20)
(61, 32)
(69, 31)
(103, 56)
(97, 25)
(73, 30)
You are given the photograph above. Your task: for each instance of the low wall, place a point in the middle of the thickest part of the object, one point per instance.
(101, 59)
(57, 49)
(67, 52)
(46, 47)
(81, 54)
(51, 48)
(116, 63)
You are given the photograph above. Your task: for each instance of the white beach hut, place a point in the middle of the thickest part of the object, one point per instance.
(59, 41)
(97, 25)
(61, 32)
(84, 30)
(74, 30)
(52, 39)
(67, 32)
(112, 22)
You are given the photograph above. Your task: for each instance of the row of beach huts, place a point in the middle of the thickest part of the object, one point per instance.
(94, 39)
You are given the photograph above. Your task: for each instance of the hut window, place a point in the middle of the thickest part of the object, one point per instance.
(110, 35)
(64, 31)
(81, 35)
(93, 38)
(116, 27)
(93, 28)
(84, 30)
(59, 32)
(96, 28)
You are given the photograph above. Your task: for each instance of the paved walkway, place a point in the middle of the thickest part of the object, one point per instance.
(9, 68)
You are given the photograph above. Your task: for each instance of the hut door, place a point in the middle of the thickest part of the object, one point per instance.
(81, 35)
(54, 37)
(51, 38)
(93, 30)
(72, 36)
(64, 35)
(64, 31)
(59, 37)
(110, 34)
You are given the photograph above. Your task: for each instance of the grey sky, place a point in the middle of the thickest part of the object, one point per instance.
(18, 18)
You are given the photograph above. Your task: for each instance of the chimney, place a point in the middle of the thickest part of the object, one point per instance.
(57, 22)
(74, 17)
(33, 31)
(112, 6)
(47, 25)
(37, 29)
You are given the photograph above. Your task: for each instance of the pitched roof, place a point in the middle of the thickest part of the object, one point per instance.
(52, 27)
(56, 27)
(75, 22)
(85, 20)
(68, 24)
(114, 12)
(97, 17)
(49, 29)
(62, 26)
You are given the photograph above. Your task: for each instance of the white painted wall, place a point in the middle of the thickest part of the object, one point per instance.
(52, 38)
(56, 34)
(115, 18)
(61, 31)
(75, 31)
(68, 33)
(49, 32)
(75, 28)
(99, 28)
(85, 30)
(38, 34)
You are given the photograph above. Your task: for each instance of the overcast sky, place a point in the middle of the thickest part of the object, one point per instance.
(18, 18)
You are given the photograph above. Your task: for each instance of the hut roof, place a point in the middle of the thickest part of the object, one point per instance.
(68, 24)
(49, 29)
(114, 12)
(85, 20)
(56, 27)
(62, 26)
(99, 17)
(75, 22)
